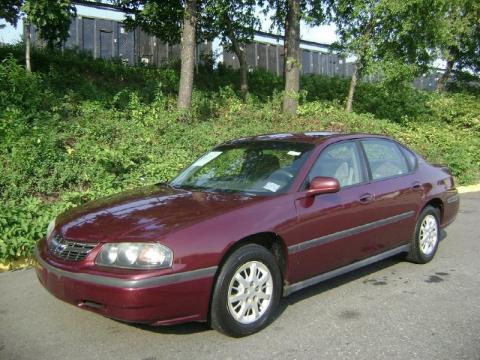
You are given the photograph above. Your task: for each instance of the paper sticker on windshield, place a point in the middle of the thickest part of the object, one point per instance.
(294, 153)
(271, 186)
(205, 159)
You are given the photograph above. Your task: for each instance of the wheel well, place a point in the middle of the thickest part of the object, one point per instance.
(436, 203)
(273, 242)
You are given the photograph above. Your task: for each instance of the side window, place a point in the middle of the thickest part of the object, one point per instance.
(384, 158)
(340, 161)
(411, 158)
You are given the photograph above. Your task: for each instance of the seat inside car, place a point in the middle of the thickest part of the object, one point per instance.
(260, 165)
(384, 169)
(337, 168)
(267, 164)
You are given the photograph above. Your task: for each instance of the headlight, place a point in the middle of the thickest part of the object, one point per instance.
(50, 228)
(135, 256)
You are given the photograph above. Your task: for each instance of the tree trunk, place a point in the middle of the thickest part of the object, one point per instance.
(28, 64)
(442, 82)
(187, 56)
(242, 59)
(292, 57)
(353, 84)
(239, 50)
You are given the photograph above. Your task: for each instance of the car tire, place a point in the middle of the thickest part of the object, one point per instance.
(247, 292)
(425, 239)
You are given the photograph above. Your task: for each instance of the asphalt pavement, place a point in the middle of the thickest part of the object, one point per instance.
(390, 310)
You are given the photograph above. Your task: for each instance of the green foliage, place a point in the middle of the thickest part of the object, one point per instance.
(385, 29)
(457, 34)
(78, 129)
(459, 110)
(231, 20)
(312, 12)
(21, 222)
(9, 10)
(465, 82)
(385, 99)
(160, 18)
(17, 86)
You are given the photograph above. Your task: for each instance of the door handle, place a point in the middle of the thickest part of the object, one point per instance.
(366, 198)
(416, 186)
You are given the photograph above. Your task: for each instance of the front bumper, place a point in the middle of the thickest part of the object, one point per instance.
(160, 300)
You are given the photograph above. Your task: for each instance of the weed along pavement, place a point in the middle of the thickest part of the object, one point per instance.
(393, 309)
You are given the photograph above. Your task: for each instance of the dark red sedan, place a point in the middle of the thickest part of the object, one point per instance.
(250, 221)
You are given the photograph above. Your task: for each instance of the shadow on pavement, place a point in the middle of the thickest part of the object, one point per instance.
(181, 329)
(336, 282)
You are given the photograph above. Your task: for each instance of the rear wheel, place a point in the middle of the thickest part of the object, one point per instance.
(247, 292)
(424, 243)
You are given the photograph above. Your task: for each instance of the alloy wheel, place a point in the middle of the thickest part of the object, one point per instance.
(428, 234)
(250, 292)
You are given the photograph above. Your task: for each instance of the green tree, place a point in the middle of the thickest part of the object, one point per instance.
(9, 10)
(458, 39)
(235, 22)
(187, 55)
(162, 18)
(171, 21)
(292, 56)
(52, 20)
(373, 31)
(287, 15)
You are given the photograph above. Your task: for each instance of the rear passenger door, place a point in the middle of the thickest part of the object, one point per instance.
(396, 190)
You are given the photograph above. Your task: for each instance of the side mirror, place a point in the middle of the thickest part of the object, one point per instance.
(323, 185)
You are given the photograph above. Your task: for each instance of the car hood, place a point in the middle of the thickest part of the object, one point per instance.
(145, 213)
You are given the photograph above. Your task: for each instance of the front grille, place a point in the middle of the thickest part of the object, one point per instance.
(69, 250)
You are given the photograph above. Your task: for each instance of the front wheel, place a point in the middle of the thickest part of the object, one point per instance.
(424, 243)
(247, 292)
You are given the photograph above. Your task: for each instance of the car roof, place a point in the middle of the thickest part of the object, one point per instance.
(311, 137)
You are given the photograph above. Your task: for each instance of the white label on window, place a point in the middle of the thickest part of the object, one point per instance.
(293, 153)
(271, 186)
(205, 159)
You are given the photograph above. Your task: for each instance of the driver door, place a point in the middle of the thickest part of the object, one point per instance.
(328, 224)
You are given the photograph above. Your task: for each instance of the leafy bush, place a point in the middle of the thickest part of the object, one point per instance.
(465, 82)
(77, 129)
(460, 110)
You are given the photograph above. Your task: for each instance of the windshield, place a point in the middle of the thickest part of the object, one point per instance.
(253, 167)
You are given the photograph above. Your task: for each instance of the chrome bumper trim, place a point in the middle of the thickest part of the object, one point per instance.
(123, 283)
